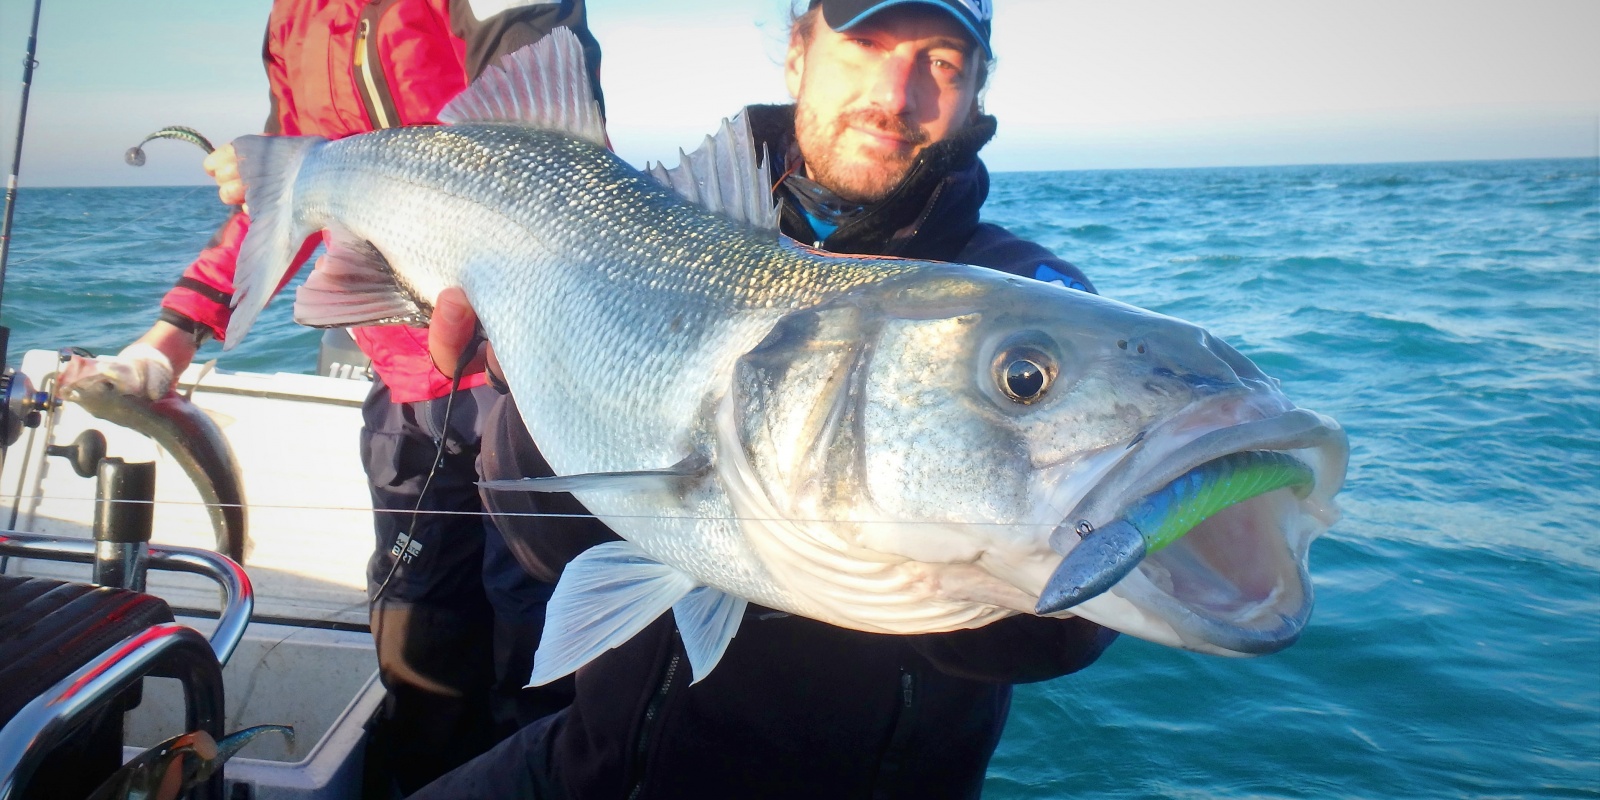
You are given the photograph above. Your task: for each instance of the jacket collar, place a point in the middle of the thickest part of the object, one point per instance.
(932, 213)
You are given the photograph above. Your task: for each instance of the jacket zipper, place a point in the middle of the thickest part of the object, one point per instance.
(892, 765)
(364, 56)
(651, 712)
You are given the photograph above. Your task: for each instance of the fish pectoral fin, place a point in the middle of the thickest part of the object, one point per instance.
(353, 284)
(605, 596)
(544, 85)
(725, 176)
(707, 621)
(632, 480)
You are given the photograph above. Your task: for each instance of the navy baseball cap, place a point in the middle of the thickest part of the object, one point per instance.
(974, 15)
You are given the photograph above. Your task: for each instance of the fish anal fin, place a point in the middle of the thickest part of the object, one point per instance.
(707, 621)
(544, 85)
(352, 285)
(605, 596)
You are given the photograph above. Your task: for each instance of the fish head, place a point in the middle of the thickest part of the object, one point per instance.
(983, 426)
(97, 392)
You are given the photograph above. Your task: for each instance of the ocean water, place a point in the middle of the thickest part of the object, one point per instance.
(1447, 314)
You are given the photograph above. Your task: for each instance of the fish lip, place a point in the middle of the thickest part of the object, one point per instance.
(1136, 477)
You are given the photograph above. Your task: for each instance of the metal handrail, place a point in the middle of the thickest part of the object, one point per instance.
(238, 597)
(167, 650)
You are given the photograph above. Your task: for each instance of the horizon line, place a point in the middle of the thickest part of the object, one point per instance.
(1594, 157)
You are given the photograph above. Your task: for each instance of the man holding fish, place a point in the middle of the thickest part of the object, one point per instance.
(877, 157)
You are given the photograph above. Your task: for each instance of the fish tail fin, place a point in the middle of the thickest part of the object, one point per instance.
(268, 166)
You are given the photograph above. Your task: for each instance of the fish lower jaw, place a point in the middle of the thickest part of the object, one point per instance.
(1236, 584)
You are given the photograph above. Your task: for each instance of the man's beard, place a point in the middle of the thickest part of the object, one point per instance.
(867, 182)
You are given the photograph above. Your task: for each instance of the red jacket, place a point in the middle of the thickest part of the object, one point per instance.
(342, 67)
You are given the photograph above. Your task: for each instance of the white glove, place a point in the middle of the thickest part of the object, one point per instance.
(138, 370)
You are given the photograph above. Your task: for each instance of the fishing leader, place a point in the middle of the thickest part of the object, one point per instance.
(878, 156)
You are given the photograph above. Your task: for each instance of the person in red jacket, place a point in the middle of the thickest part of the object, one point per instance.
(455, 620)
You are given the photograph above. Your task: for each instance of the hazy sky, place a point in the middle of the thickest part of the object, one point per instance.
(1079, 84)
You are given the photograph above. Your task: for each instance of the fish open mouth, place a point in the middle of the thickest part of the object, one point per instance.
(1209, 537)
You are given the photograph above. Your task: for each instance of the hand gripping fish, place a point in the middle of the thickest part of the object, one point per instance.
(191, 437)
(886, 445)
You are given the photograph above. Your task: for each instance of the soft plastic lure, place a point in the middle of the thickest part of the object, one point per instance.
(1109, 553)
(194, 755)
(135, 154)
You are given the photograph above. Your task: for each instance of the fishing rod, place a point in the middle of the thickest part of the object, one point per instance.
(28, 63)
(18, 405)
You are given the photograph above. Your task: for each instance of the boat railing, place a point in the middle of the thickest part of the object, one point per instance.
(237, 601)
(166, 650)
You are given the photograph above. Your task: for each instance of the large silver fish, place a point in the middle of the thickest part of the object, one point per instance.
(193, 440)
(886, 445)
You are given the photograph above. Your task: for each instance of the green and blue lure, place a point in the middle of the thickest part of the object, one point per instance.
(1109, 553)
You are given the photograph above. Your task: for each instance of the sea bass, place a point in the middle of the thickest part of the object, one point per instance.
(886, 445)
(192, 439)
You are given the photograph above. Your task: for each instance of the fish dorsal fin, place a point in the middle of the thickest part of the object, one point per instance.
(605, 596)
(544, 85)
(724, 175)
(204, 371)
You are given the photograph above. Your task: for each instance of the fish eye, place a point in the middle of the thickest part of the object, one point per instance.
(1024, 374)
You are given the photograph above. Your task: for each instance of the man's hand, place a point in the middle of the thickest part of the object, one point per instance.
(223, 166)
(453, 325)
(139, 370)
(147, 367)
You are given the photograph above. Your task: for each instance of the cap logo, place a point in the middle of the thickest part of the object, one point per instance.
(982, 9)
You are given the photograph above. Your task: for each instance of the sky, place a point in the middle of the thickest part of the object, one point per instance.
(1079, 84)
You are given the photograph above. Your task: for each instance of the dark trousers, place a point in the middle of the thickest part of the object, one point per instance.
(457, 620)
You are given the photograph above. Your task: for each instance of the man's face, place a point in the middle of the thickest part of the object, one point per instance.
(869, 99)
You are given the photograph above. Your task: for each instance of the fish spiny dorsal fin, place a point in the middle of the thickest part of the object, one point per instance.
(725, 176)
(544, 85)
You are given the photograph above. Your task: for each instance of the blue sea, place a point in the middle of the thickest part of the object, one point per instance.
(1447, 314)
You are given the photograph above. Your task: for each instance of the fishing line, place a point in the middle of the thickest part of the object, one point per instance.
(467, 354)
(556, 515)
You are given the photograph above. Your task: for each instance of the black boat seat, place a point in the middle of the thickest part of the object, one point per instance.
(50, 630)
